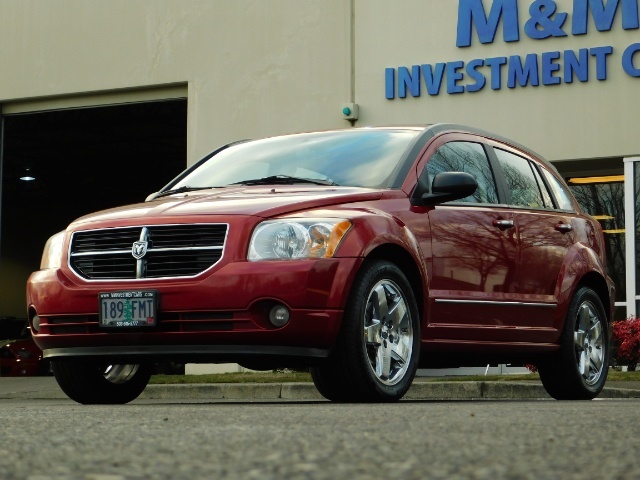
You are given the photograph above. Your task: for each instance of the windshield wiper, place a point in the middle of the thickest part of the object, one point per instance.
(186, 188)
(283, 180)
(272, 180)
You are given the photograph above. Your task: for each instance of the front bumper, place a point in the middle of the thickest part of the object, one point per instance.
(222, 315)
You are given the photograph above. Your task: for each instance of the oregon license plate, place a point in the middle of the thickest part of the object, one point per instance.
(128, 308)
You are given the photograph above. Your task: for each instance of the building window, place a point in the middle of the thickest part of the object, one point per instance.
(603, 198)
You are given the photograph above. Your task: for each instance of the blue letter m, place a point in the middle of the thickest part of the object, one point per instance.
(472, 13)
(603, 14)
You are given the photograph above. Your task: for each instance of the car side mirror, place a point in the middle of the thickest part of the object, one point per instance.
(448, 186)
(151, 196)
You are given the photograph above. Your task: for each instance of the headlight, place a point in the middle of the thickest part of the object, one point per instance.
(52, 254)
(291, 239)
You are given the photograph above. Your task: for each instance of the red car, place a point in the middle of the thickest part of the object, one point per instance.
(19, 355)
(362, 253)
(20, 358)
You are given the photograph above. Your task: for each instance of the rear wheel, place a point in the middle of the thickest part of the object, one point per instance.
(93, 383)
(376, 355)
(578, 371)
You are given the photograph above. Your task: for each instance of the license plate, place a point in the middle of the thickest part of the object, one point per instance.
(128, 309)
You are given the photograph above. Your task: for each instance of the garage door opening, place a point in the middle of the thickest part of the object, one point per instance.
(60, 165)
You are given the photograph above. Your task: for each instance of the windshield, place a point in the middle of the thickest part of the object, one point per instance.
(359, 158)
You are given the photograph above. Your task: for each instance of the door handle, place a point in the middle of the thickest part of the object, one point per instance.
(563, 227)
(503, 224)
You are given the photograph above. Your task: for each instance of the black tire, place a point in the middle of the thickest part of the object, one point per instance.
(375, 357)
(93, 383)
(578, 371)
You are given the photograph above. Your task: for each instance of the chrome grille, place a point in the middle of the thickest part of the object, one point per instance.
(105, 240)
(171, 251)
(118, 265)
(180, 263)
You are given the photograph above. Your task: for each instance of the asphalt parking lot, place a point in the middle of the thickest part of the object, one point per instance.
(275, 439)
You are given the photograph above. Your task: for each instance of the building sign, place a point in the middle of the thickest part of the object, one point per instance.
(542, 21)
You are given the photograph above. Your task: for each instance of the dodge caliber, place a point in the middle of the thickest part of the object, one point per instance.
(361, 254)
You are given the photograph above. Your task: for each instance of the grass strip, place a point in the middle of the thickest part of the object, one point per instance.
(244, 377)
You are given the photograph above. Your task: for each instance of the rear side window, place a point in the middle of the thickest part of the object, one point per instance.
(526, 190)
(470, 158)
(546, 196)
(560, 191)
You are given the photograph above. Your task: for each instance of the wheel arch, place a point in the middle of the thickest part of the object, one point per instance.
(599, 285)
(583, 267)
(405, 262)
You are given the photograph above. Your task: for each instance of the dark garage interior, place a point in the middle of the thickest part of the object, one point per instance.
(60, 165)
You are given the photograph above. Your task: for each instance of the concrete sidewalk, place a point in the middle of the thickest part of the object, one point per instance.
(35, 388)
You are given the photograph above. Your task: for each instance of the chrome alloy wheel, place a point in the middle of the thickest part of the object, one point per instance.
(119, 373)
(588, 340)
(388, 333)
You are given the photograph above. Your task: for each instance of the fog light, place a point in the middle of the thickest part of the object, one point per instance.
(279, 315)
(35, 323)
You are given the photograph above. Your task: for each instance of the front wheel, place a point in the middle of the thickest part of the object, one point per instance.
(93, 383)
(578, 371)
(376, 354)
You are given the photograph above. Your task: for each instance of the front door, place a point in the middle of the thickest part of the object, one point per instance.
(473, 251)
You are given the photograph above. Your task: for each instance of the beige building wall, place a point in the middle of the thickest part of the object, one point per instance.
(566, 121)
(251, 67)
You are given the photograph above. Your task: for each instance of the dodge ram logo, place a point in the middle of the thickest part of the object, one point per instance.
(139, 250)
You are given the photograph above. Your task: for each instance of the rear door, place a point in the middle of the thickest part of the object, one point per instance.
(545, 233)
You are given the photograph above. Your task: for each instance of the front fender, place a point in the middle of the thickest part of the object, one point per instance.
(384, 236)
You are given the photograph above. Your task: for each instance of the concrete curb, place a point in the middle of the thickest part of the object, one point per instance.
(307, 391)
(418, 391)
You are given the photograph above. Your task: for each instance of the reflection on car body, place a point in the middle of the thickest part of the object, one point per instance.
(361, 254)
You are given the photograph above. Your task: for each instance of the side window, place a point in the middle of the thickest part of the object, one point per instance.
(470, 158)
(521, 181)
(546, 196)
(559, 190)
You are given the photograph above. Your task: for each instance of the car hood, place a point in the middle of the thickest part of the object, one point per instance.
(257, 201)
(18, 344)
